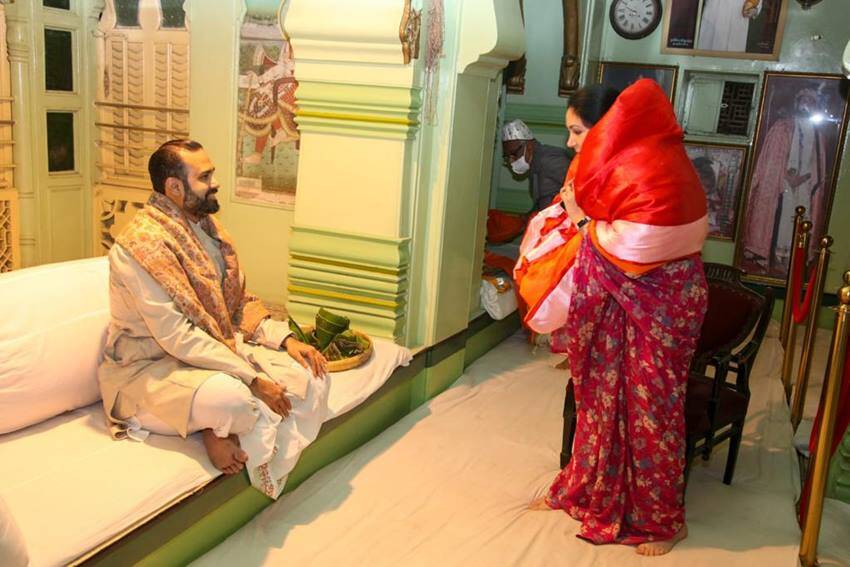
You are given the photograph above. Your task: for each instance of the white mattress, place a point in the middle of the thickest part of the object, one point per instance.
(449, 485)
(70, 487)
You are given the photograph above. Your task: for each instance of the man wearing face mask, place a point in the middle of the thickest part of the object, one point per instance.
(546, 165)
(189, 349)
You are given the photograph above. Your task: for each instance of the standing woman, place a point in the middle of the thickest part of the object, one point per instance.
(637, 301)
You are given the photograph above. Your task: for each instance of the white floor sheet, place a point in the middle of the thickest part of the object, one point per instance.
(449, 485)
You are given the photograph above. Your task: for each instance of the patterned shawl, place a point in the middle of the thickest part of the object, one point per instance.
(160, 239)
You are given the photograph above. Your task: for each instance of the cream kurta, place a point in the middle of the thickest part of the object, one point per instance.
(156, 358)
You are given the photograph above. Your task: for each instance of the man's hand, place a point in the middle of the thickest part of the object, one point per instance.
(795, 180)
(306, 356)
(273, 394)
(749, 8)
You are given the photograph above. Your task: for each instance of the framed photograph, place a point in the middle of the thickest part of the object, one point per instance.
(796, 152)
(620, 75)
(743, 29)
(721, 171)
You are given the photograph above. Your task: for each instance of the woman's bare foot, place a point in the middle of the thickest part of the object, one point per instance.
(662, 547)
(539, 504)
(563, 365)
(224, 453)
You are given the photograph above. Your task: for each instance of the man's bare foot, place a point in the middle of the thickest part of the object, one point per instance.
(563, 365)
(539, 504)
(662, 547)
(224, 453)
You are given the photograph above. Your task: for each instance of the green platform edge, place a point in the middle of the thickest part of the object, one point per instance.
(189, 529)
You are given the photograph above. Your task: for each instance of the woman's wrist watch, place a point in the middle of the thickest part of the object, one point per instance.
(581, 224)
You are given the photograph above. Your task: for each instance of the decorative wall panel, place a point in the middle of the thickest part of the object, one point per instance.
(363, 276)
(117, 206)
(9, 219)
(143, 101)
(9, 230)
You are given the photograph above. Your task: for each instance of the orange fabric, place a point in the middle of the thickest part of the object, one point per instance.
(500, 262)
(504, 227)
(535, 281)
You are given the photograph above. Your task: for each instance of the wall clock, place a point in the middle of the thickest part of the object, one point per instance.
(634, 19)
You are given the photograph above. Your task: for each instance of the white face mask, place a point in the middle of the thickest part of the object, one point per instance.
(520, 166)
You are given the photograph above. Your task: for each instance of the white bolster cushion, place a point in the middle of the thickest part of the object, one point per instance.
(52, 334)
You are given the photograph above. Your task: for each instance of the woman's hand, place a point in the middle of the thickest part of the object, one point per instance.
(568, 196)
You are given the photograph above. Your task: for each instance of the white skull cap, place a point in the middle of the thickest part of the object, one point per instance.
(516, 130)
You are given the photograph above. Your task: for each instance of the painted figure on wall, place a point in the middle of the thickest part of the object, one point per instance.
(270, 112)
(269, 141)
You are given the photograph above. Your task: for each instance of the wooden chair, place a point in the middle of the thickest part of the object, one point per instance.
(714, 409)
(734, 328)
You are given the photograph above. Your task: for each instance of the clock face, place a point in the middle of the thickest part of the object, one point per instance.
(634, 19)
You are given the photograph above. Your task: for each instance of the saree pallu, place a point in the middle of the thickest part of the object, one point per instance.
(629, 342)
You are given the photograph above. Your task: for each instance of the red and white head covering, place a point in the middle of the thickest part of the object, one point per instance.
(634, 179)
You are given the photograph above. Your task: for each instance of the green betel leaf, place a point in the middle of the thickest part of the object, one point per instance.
(328, 326)
(328, 320)
(324, 337)
(296, 330)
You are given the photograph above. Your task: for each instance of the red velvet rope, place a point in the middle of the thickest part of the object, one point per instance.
(801, 309)
(842, 422)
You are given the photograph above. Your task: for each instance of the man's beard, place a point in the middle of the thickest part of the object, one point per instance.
(197, 206)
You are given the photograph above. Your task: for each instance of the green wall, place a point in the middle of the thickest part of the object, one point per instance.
(813, 41)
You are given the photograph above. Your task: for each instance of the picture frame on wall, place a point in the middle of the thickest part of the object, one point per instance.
(619, 75)
(721, 169)
(741, 29)
(797, 147)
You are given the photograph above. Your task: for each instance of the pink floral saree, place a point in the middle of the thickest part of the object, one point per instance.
(629, 342)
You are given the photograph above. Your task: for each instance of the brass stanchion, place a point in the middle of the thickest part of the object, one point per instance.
(821, 456)
(788, 307)
(809, 338)
(801, 247)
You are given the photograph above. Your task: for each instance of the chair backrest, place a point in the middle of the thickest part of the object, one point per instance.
(734, 311)
(723, 272)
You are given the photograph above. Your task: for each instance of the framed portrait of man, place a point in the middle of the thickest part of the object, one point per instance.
(720, 168)
(796, 153)
(744, 29)
(620, 75)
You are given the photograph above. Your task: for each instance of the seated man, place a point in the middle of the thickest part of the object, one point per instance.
(175, 360)
(547, 164)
